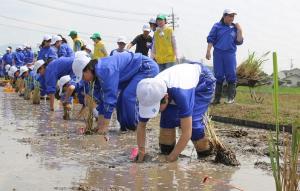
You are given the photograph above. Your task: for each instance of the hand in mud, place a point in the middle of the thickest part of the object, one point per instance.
(171, 158)
(140, 157)
(81, 112)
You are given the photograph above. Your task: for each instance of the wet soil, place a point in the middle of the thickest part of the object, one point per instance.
(41, 151)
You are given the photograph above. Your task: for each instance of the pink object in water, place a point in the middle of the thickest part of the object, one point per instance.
(134, 153)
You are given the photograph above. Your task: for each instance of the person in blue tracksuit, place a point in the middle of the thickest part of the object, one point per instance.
(46, 51)
(18, 57)
(182, 93)
(2, 68)
(61, 44)
(224, 37)
(118, 76)
(29, 55)
(52, 71)
(7, 59)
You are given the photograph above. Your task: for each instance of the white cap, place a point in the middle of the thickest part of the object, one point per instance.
(55, 38)
(47, 37)
(10, 74)
(38, 64)
(152, 21)
(229, 12)
(23, 69)
(146, 28)
(19, 48)
(149, 93)
(7, 67)
(7, 49)
(62, 81)
(80, 61)
(13, 70)
(122, 39)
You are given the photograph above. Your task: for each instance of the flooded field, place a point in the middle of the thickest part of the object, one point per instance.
(40, 151)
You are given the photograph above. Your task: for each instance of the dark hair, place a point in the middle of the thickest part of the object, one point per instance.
(91, 66)
(63, 39)
(222, 19)
(83, 47)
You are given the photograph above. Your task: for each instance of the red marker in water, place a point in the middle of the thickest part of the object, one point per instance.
(134, 153)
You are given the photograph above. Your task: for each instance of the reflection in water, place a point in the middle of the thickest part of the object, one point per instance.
(61, 158)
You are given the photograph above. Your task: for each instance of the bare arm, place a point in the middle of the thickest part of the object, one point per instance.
(186, 127)
(51, 97)
(208, 54)
(239, 37)
(129, 46)
(69, 92)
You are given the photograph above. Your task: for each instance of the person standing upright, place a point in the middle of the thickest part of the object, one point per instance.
(99, 48)
(143, 41)
(224, 37)
(78, 43)
(164, 49)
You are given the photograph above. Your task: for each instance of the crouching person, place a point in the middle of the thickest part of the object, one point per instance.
(182, 93)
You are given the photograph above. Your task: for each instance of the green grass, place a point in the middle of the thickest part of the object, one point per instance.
(269, 89)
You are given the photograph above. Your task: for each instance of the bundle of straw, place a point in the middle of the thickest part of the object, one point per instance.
(224, 154)
(36, 97)
(250, 71)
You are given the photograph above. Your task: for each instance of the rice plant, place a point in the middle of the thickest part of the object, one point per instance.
(286, 175)
(90, 105)
(27, 91)
(36, 97)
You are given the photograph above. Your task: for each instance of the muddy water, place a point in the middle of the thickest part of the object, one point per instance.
(40, 151)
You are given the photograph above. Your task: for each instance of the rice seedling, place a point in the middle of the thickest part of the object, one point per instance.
(36, 97)
(224, 154)
(27, 90)
(286, 175)
(90, 105)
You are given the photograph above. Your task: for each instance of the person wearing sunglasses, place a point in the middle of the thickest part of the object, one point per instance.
(224, 38)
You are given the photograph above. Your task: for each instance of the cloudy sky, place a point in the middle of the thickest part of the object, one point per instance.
(269, 25)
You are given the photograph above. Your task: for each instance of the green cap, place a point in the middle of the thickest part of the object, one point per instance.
(161, 16)
(95, 36)
(73, 33)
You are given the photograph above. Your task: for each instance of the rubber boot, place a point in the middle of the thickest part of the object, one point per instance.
(167, 140)
(218, 94)
(231, 93)
(203, 147)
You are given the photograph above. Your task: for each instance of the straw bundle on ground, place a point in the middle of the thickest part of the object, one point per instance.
(249, 72)
(27, 91)
(224, 155)
(90, 105)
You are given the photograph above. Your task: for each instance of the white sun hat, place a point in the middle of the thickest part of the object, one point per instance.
(80, 61)
(38, 64)
(55, 38)
(7, 67)
(23, 69)
(13, 70)
(62, 81)
(149, 93)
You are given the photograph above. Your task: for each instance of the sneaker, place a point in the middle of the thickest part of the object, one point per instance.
(230, 101)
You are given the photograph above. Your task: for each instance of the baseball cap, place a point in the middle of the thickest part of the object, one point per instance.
(55, 38)
(149, 92)
(23, 69)
(122, 39)
(152, 21)
(229, 12)
(72, 33)
(146, 28)
(38, 64)
(95, 36)
(47, 37)
(62, 81)
(80, 61)
(161, 16)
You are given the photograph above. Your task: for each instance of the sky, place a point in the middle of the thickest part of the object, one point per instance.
(269, 25)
